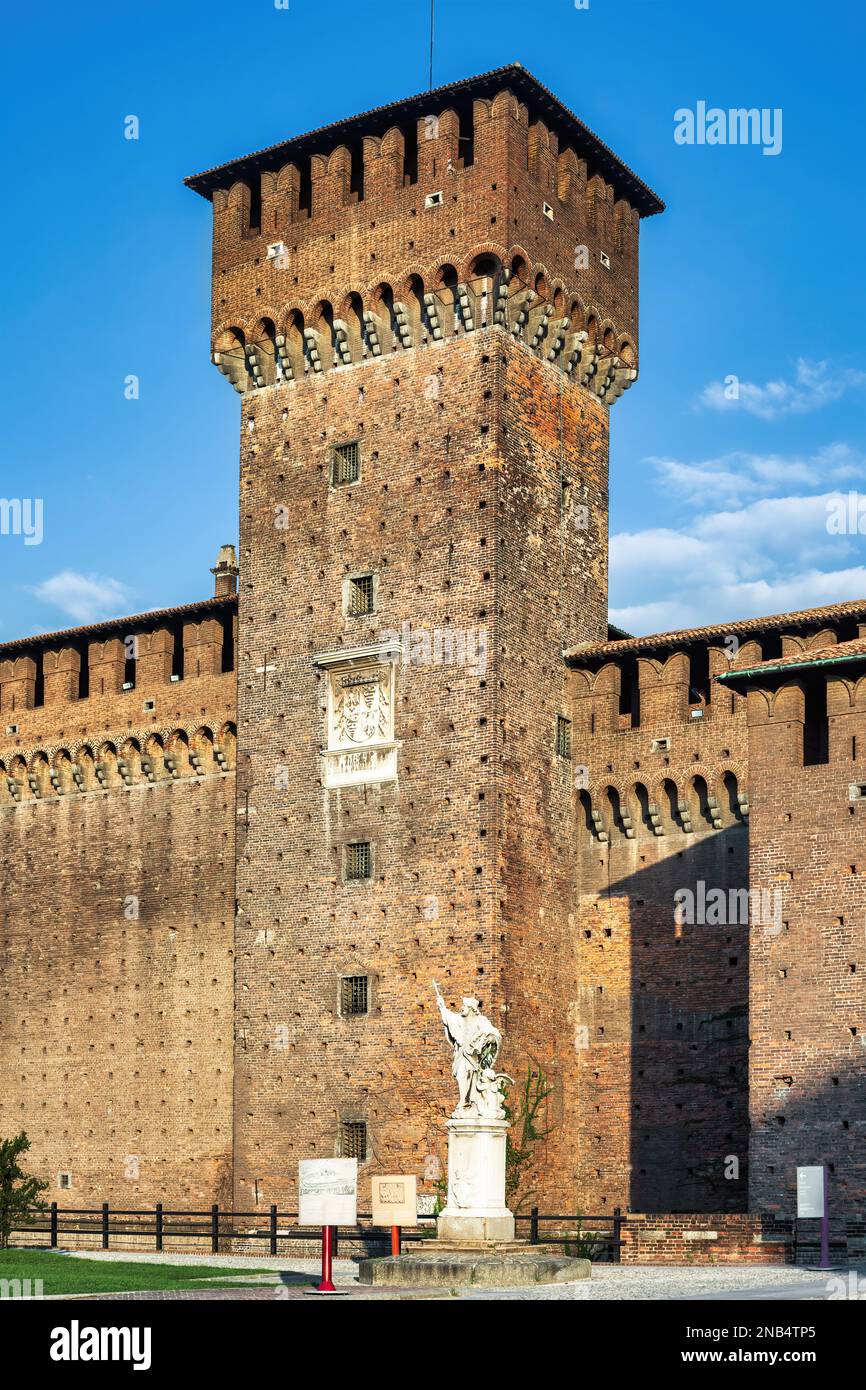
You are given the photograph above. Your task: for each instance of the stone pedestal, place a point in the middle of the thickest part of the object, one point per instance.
(476, 1209)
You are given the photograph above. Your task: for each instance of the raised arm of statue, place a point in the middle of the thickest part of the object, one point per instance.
(440, 1002)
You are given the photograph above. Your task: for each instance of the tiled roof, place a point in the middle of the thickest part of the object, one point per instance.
(805, 617)
(600, 158)
(841, 653)
(112, 624)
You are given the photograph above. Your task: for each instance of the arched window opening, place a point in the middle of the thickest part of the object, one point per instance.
(228, 647)
(294, 344)
(356, 175)
(230, 356)
(83, 671)
(585, 803)
(670, 806)
(445, 292)
(699, 803)
(416, 309)
(612, 811)
(641, 812)
(732, 809)
(263, 353)
(484, 276)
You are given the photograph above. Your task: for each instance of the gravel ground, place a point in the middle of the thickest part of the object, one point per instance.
(608, 1282)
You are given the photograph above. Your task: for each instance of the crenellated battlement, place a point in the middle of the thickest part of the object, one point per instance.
(84, 667)
(491, 289)
(483, 203)
(807, 708)
(114, 681)
(117, 761)
(661, 725)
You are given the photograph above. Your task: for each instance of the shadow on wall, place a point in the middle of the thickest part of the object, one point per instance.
(665, 1076)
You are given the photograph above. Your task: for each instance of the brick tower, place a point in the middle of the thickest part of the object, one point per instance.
(427, 311)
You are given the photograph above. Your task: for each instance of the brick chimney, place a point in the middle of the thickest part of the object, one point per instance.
(226, 571)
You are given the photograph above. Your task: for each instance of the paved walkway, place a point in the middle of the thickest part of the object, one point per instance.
(277, 1280)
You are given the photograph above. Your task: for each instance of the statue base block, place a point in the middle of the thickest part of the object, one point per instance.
(476, 1212)
(429, 1269)
(461, 1229)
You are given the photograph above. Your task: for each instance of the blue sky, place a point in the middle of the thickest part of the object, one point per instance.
(718, 507)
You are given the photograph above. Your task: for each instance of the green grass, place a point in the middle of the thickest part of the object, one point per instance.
(66, 1274)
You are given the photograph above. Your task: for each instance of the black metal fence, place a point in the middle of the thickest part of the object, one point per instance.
(216, 1225)
(598, 1237)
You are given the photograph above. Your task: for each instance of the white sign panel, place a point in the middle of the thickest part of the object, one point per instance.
(328, 1192)
(395, 1201)
(810, 1191)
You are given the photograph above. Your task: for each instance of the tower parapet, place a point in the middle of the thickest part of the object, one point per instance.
(483, 203)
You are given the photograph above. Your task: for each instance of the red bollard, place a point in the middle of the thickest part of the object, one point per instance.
(395, 1240)
(327, 1284)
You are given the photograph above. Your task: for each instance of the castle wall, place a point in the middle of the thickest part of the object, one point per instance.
(658, 1006)
(116, 913)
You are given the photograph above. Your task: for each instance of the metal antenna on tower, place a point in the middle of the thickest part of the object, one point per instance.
(432, 5)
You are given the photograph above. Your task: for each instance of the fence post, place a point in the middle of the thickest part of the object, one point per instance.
(53, 1237)
(533, 1226)
(273, 1228)
(617, 1236)
(159, 1226)
(105, 1225)
(215, 1229)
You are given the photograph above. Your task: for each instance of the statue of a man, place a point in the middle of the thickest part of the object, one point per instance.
(476, 1045)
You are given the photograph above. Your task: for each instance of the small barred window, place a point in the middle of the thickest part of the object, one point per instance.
(354, 994)
(346, 464)
(360, 594)
(358, 861)
(563, 736)
(353, 1140)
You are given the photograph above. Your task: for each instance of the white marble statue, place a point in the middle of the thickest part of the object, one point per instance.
(476, 1045)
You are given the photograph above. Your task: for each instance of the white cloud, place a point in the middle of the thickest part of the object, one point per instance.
(814, 385)
(740, 558)
(739, 476)
(719, 603)
(86, 598)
